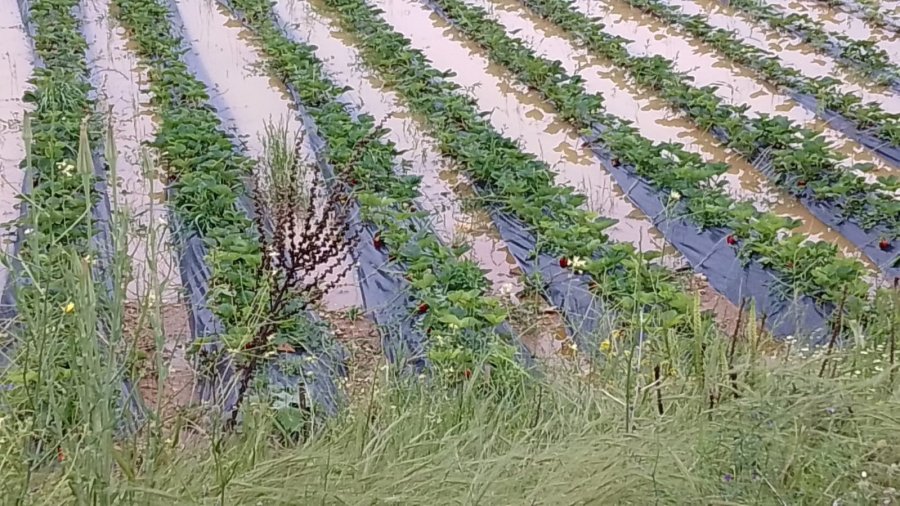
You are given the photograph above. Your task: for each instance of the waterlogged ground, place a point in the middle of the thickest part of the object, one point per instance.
(227, 58)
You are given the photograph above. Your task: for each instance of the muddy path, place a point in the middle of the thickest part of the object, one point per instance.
(650, 114)
(16, 62)
(156, 319)
(119, 81)
(735, 85)
(790, 51)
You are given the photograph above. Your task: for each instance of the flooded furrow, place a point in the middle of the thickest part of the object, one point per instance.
(790, 51)
(443, 189)
(15, 50)
(840, 22)
(650, 114)
(650, 36)
(523, 116)
(247, 98)
(118, 80)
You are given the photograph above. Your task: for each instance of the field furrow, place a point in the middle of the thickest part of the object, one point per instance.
(569, 96)
(854, 27)
(733, 85)
(247, 320)
(123, 104)
(17, 58)
(232, 70)
(524, 116)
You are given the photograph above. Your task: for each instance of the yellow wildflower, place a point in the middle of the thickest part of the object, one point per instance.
(70, 308)
(605, 346)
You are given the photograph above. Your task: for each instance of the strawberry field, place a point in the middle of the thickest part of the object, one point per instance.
(229, 189)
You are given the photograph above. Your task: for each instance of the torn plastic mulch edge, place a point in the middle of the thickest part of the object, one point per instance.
(703, 251)
(133, 412)
(386, 294)
(315, 370)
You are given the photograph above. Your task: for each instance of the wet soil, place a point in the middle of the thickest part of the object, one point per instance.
(16, 62)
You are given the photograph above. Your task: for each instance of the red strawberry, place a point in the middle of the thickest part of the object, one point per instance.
(378, 241)
(884, 245)
(563, 262)
(467, 373)
(353, 181)
(423, 308)
(801, 183)
(60, 456)
(731, 240)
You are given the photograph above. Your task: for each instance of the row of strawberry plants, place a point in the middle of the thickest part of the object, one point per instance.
(465, 326)
(61, 227)
(205, 184)
(867, 10)
(862, 55)
(867, 118)
(799, 158)
(644, 295)
(814, 269)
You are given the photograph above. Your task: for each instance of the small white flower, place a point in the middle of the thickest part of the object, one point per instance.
(675, 196)
(864, 475)
(578, 263)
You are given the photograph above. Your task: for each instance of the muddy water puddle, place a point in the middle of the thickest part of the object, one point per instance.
(247, 98)
(650, 36)
(523, 116)
(839, 22)
(791, 51)
(654, 120)
(443, 189)
(118, 80)
(16, 62)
